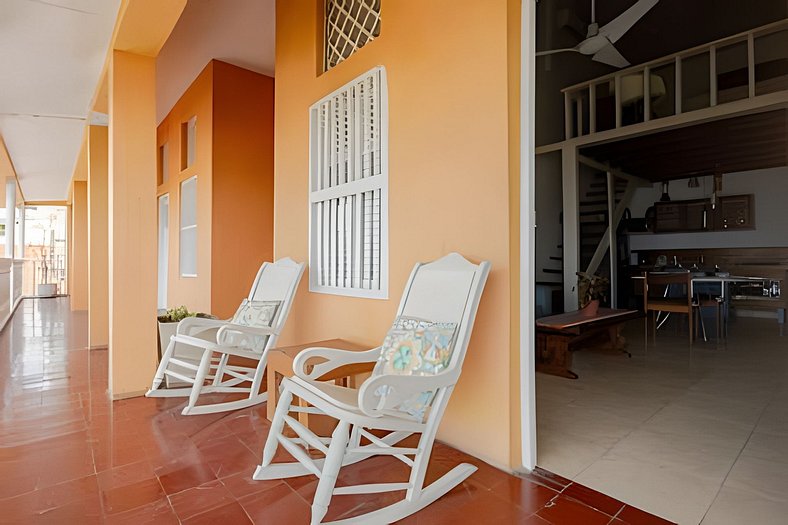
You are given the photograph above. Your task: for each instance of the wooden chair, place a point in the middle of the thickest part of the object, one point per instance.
(250, 334)
(443, 293)
(664, 303)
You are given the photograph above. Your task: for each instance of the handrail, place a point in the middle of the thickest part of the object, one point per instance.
(580, 121)
(667, 59)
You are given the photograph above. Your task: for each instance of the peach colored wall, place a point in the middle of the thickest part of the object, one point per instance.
(243, 183)
(131, 203)
(193, 292)
(243, 35)
(449, 177)
(78, 288)
(98, 280)
(514, 67)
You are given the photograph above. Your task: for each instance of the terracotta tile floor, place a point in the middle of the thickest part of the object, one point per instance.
(69, 455)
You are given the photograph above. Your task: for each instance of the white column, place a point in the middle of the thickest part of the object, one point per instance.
(571, 225)
(21, 254)
(10, 216)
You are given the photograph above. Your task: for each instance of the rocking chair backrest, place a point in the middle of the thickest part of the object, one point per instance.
(445, 292)
(277, 281)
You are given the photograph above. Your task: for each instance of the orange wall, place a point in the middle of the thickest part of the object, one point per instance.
(98, 280)
(446, 62)
(243, 183)
(193, 292)
(235, 185)
(78, 288)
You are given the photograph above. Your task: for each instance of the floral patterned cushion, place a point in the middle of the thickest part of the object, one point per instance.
(416, 347)
(258, 314)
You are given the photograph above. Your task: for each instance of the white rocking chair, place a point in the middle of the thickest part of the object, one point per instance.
(445, 292)
(250, 334)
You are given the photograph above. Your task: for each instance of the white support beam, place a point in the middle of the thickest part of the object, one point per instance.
(678, 85)
(743, 106)
(751, 65)
(567, 116)
(579, 119)
(618, 101)
(10, 216)
(647, 94)
(612, 227)
(713, 76)
(571, 226)
(592, 108)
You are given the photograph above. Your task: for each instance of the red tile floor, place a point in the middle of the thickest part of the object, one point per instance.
(69, 455)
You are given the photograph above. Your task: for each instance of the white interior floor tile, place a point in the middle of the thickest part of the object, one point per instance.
(680, 432)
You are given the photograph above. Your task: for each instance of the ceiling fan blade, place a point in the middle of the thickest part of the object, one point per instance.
(616, 28)
(610, 55)
(554, 51)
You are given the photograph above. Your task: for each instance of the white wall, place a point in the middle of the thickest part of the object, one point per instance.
(770, 187)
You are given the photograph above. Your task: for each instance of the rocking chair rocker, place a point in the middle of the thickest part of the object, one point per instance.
(417, 368)
(250, 334)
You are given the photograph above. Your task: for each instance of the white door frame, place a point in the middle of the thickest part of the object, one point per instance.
(527, 232)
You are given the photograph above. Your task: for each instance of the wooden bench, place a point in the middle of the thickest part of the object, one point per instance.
(557, 336)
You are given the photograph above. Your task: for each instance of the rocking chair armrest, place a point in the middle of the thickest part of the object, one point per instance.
(334, 358)
(194, 341)
(400, 387)
(191, 324)
(243, 329)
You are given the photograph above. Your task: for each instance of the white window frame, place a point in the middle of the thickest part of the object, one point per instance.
(319, 160)
(182, 228)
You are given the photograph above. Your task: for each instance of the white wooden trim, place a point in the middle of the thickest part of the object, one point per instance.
(527, 340)
(618, 100)
(611, 232)
(679, 93)
(758, 104)
(592, 108)
(646, 94)
(751, 64)
(713, 76)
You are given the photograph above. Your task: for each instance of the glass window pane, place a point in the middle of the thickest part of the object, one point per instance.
(771, 63)
(695, 83)
(663, 91)
(188, 227)
(605, 106)
(631, 99)
(732, 72)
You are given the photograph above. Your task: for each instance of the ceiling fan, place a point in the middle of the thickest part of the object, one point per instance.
(599, 40)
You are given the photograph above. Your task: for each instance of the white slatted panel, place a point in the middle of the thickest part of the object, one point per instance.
(349, 189)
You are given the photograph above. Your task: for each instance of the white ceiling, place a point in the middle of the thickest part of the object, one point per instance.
(51, 56)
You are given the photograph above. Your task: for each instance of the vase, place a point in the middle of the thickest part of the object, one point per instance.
(590, 309)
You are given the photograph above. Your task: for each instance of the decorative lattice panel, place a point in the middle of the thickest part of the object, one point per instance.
(350, 24)
(349, 189)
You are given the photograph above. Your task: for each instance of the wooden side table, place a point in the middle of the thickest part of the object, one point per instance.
(280, 364)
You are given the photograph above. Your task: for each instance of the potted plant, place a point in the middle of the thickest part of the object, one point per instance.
(168, 324)
(591, 290)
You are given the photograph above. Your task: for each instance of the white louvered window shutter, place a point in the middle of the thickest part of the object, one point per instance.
(348, 199)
